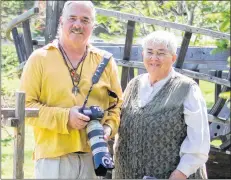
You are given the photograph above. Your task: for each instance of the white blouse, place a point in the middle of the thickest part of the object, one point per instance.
(195, 147)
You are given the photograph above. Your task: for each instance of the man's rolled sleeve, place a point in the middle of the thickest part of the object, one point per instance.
(52, 118)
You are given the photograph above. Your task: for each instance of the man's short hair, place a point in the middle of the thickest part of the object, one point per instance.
(66, 8)
(161, 37)
(87, 3)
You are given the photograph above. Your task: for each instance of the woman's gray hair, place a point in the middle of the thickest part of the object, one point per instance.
(66, 9)
(161, 37)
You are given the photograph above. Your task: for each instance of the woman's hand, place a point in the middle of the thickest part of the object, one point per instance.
(107, 132)
(176, 174)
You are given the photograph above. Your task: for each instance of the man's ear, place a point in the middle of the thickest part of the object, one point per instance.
(61, 20)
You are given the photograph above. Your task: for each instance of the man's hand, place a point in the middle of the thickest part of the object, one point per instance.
(107, 131)
(177, 175)
(76, 119)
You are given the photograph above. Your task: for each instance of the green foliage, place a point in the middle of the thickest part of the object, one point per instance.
(10, 10)
(5, 142)
(222, 45)
(214, 15)
(9, 58)
(225, 95)
(9, 73)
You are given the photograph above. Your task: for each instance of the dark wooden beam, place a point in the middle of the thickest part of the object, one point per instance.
(53, 13)
(217, 86)
(226, 145)
(183, 50)
(19, 19)
(128, 73)
(192, 74)
(19, 45)
(217, 107)
(225, 111)
(27, 37)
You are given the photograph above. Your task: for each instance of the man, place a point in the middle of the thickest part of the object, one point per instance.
(57, 79)
(164, 130)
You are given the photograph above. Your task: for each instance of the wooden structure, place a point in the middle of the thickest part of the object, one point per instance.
(15, 117)
(196, 63)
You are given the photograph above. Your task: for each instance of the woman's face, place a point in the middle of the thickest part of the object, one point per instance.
(158, 60)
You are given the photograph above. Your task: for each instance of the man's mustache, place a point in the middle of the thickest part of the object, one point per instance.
(77, 30)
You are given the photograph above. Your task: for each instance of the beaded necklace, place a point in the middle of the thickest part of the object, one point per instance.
(75, 77)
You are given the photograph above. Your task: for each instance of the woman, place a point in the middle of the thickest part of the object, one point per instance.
(164, 130)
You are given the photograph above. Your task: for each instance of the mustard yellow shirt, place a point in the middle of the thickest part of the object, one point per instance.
(48, 86)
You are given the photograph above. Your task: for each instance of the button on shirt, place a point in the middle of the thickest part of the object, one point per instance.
(195, 147)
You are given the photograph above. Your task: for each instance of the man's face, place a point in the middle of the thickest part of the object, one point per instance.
(77, 24)
(157, 59)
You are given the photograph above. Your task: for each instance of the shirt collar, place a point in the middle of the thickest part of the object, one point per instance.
(54, 44)
(145, 80)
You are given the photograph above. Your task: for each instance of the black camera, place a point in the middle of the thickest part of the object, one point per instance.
(101, 156)
(93, 112)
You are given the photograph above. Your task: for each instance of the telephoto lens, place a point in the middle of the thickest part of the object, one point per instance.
(101, 156)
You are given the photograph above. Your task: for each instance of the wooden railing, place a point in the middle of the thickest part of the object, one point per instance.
(15, 118)
(24, 46)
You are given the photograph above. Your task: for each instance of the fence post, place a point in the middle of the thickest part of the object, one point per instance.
(19, 133)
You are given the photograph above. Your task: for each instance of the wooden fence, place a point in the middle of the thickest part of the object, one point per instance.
(196, 63)
(15, 118)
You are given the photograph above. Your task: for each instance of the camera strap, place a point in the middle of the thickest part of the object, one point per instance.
(99, 70)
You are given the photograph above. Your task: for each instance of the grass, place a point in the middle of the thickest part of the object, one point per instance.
(7, 152)
(208, 92)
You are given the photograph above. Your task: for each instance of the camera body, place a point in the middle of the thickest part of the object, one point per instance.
(101, 156)
(93, 112)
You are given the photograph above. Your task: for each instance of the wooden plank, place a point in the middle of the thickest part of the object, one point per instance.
(53, 13)
(10, 122)
(19, 19)
(197, 80)
(129, 39)
(217, 130)
(225, 111)
(27, 37)
(128, 73)
(183, 50)
(197, 55)
(191, 74)
(215, 110)
(219, 104)
(214, 119)
(19, 45)
(217, 86)
(142, 19)
(196, 58)
(10, 112)
(19, 133)
(224, 74)
(226, 145)
(205, 77)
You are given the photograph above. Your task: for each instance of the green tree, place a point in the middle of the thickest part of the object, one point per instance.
(10, 10)
(214, 15)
